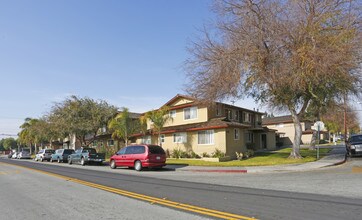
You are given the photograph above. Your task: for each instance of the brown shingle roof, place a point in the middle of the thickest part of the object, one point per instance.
(279, 119)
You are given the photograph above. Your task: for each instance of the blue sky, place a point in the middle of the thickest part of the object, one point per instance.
(127, 52)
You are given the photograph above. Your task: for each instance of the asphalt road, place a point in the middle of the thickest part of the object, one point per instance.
(26, 194)
(245, 201)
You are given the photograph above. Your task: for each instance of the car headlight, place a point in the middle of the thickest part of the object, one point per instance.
(353, 146)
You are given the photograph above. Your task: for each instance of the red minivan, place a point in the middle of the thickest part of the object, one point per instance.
(139, 156)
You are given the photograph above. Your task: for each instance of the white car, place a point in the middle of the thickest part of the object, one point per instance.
(24, 154)
(15, 155)
(44, 154)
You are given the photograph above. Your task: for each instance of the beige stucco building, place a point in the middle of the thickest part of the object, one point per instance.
(203, 128)
(285, 131)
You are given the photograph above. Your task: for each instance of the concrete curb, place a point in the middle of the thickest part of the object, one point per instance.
(339, 162)
(216, 171)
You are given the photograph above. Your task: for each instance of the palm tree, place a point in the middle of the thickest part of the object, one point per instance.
(26, 135)
(159, 118)
(123, 126)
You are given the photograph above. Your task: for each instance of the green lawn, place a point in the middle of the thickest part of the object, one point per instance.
(259, 159)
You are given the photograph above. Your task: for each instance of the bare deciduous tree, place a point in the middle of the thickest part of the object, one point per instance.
(281, 53)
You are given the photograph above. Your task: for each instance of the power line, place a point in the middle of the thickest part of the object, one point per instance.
(9, 135)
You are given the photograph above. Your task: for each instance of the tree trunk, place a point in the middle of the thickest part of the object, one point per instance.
(297, 136)
(313, 141)
(159, 139)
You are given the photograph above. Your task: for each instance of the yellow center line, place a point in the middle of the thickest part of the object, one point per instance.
(356, 169)
(152, 200)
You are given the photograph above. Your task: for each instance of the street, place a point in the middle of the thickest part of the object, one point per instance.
(26, 194)
(318, 194)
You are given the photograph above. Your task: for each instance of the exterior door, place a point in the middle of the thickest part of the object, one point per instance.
(119, 159)
(263, 141)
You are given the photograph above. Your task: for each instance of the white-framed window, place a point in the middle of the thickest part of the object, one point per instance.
(180, 137)
(110, 143)
(236, 117)
(162, 136)
(205, 137)
(236, 134)
(190, 113)
(249, 137)
(247, 117)
(146, 139)
(173, 113)
(229, 114)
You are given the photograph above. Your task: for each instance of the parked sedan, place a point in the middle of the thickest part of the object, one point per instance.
(24, 154)
(139, 156)
(61, 155)
(44, 154)
(354, 145)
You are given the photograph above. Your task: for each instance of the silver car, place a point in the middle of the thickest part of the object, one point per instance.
(44, 154)
(24, 154)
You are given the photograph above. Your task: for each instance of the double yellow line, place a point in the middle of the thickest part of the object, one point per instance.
(152, 200)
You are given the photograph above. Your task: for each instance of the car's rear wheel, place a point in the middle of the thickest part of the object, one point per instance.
(82, 162)
(138, 165)
(113, 164)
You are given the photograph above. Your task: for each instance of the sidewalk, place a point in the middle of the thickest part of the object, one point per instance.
(336, 156)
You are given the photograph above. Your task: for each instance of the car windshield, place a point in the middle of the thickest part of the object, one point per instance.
(154, 149)
(357, 138)
(90, 150)
(68, 151)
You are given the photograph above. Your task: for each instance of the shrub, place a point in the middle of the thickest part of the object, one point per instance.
(194, 155)
(176, 153)
(218, 153)
(249, 153)
(239, 156)
(184, 154)
(205, 154)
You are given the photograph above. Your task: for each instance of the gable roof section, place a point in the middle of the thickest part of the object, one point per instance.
(279, 120)
(179, 96)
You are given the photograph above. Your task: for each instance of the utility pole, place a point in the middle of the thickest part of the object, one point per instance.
(345, 118)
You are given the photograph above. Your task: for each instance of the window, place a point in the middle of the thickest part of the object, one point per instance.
(179, 137)
(110, 143)
(236, 117)
(190, 113)
(246, 117)
(173, 114)
(249, 137)
(122, 151)
(162, 138)
(135, 150)
(146, 140)
(236, 134)
(206, 137)
(229, 114)
(154, 149)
